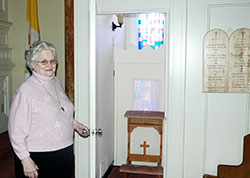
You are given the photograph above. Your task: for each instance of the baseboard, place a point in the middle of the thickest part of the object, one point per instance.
(109, 171)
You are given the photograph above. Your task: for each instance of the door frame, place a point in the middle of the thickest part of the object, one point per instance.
(84, 51)
(167, 59)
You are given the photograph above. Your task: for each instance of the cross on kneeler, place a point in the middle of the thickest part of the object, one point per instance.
(144, 145)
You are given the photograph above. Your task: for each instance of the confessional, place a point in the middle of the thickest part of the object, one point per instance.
(143, 119)
(239, 171)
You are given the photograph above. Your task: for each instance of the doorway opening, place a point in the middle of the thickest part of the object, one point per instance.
(120, 67)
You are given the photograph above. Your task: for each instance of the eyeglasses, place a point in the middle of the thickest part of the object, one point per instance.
(45, 62)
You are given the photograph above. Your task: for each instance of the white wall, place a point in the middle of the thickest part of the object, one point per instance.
(132, 30)
(216, 123)
(51, 21)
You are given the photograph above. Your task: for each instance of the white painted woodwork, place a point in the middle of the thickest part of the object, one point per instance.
(92, 87)
(201, 130)
(6, 66)
(104, 94)
(133, 64)
(4, 10)
(81, 54)
(130, 6)
(4, 99)
(94, 90)
(215, 123)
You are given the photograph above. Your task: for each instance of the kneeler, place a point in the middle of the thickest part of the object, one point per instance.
(144, 119)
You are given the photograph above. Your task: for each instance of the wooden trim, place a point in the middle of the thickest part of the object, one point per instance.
(144, 158)
(69, 49)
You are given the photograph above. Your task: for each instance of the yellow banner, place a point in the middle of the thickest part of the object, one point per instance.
(32, 18)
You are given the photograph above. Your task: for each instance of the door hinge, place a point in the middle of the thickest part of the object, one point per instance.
(113, 73)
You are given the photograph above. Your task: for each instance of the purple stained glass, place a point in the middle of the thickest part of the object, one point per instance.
(146, 95)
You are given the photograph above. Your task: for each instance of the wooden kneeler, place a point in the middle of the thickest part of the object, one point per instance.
(144, 119)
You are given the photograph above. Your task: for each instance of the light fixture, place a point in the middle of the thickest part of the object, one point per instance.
(119, 20)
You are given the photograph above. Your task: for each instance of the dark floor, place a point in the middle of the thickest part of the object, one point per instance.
(114, 172)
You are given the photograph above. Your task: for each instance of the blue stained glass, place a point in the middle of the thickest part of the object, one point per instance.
(151, 30)
(140, 45)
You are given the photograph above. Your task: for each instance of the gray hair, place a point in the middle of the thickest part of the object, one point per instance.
(38, 46)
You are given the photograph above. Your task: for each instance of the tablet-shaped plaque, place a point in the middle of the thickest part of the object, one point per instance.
(239, 61)
(226, 61)
(215, 61)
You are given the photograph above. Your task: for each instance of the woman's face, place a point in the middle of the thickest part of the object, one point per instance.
(45, 64)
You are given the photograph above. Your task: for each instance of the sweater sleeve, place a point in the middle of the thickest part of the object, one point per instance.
(19, 124)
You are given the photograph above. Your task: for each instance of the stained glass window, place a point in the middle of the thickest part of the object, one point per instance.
(151, 30)
(146, 94)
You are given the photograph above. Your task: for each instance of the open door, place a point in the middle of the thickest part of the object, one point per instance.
(93, 89)
(85, 86)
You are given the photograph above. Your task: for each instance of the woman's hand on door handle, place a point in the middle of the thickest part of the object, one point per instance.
(81, 129)
(85, 133)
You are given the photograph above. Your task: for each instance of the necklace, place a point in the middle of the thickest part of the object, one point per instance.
(59, 103)
(58, 100)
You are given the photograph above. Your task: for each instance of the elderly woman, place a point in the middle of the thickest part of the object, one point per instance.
(41, 123)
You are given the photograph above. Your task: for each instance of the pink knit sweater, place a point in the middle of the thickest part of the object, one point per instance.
(36, 122)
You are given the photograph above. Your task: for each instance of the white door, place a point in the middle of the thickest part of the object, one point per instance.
(85, 86)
